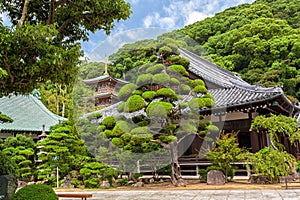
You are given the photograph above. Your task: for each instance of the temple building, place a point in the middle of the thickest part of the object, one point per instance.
(105, 89)
(30, 117)
(238, 103)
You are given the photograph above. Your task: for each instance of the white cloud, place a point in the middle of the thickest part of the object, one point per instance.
(194, 17)
(148, 21)
(156, 20)
(178, 13)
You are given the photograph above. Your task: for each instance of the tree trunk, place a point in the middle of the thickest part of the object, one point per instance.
(176, 178)
(24, 12)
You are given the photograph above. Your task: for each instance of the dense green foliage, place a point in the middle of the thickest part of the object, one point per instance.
(73, 19)
(260, 41)
(272, 163)
(225, 153)
(35, 192)
(21, 150)
(61, 148)
(8, 166)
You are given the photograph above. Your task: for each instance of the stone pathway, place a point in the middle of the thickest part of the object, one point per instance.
(196, 195)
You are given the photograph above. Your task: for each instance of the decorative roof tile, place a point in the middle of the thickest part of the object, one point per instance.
(28, 113)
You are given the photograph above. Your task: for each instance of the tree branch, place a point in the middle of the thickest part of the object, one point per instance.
(166, 146)
(24, 13)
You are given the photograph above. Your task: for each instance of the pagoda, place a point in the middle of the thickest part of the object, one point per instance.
(105, 89)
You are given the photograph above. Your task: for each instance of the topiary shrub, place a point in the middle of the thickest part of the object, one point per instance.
(155, 69)
(144, 79)
(134, 103)
(126, 91)
(178, 69)
(161, 79)
(35, 192)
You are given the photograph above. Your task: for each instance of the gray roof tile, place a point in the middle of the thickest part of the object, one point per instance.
(28, 113)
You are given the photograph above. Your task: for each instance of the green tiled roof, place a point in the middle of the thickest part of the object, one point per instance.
(28, 113)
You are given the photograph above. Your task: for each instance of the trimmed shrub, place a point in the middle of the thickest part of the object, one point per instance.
(185, 89)
(149, 95)
(167, 93)
(144, 79)
(200, 89)
(162, 79)
(178, 69)
(159, 109)
(155, 69)
(197, 82)
(126, 91)
(109, 122)
(134, 103)
(140, 130)
(179, 61)
(35, 192)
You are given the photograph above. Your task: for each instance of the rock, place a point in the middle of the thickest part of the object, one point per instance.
(105, 184)
(130, 182)
(151, 180)
(215, 177)
(138, 184)
(21, 184)
(260, 179)
(8, 186)
(67, 183)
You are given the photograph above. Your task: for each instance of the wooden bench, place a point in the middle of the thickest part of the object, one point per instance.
(74, 195)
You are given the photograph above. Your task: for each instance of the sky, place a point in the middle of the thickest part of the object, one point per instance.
(149, 19)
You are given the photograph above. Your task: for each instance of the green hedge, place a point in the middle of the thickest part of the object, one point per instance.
(35, 192)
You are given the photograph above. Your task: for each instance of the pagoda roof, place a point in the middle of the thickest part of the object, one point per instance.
(103, 78)
(28, 113)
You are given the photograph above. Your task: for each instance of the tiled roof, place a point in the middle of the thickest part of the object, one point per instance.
(99, 78)
(28, 113)
(237, 96)
(211, 72)
(232, 91)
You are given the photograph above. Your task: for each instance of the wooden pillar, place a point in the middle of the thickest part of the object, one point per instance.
(254, 142)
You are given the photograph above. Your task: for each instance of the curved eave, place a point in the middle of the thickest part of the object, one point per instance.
(252, 105)
(103, 79)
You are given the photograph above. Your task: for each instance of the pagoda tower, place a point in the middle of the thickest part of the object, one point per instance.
(105, 89)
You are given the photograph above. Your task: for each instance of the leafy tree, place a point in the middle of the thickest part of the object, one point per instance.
(272, 163)
(93, 172)
(73, 19)
(43, 43)
(61, 148)
(30, 57)
(226, 152)
(162, 124)
(21, 149)
(8, 166)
